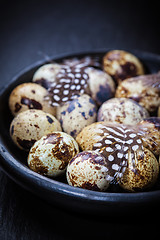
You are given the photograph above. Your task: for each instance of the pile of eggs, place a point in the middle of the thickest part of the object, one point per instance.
(97, 121)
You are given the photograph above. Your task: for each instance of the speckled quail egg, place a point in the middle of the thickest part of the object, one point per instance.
(77, 114)
(122, 110)
(29, 126)
(90, 135)
(140, 174)
(88, 170)
(101, 85)
(29, 96)
(143, 89)
(46, 74)
(50, 155)
(150, 129)
(121, 65)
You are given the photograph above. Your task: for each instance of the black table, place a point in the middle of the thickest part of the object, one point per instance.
(34, 30)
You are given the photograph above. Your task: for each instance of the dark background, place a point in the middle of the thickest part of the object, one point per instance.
(33, 30)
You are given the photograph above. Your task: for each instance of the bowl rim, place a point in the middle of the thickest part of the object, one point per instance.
(9, 164)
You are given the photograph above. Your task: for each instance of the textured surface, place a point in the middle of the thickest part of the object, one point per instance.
(31, 31)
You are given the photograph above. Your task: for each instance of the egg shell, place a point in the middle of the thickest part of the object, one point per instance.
(50, 155)
(90, 135)
(88, 170)
(29, 126)
(29, 96)
(46, 74)
(77, 114)
(122, 110)
(142, 174)
(150, 128)
(143, 89)
(121, 65)
(101, 85)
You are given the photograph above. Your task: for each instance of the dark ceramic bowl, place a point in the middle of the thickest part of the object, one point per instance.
(58, 192)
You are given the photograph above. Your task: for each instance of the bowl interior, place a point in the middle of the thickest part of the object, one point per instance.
(151, 63)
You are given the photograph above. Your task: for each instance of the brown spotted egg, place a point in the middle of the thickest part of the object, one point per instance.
(29, 126)
(51, 154)
(143, 89)
(101, 85)
(141, 173)
(77, 114)
(121, 65)
(150, 129)
(46, 74)
(122, 110)
(88, 170)
(29, 96)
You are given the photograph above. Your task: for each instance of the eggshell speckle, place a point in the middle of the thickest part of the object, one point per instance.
(77, 114)
(50, 155)
(101, 85)
(29, 96)
(46, 74)
(29, 126)
(150, 129)
(121, 65)
(142, 174)
(122, 110)
(143, 89)
(88, 170)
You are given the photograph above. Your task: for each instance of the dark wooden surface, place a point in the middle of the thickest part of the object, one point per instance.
(33, 30)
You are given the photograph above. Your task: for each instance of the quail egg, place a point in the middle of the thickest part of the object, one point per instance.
(29, 126)
(29, 96)
(101, 85)
(150, 129)
(143, 89)
(51, 154)
(121, 65)
(77, 114)
(122, 110)
(88, 170)
(46, 74)
(140, 174)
